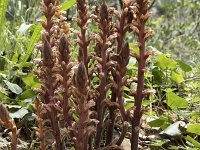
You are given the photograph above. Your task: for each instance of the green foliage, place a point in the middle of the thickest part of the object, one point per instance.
(3, 5)
(175, 102)
(194, 128)
(176, 28)
(13, 87)
(193, 141)
(36, 34)
(165, 63)
(158, 122)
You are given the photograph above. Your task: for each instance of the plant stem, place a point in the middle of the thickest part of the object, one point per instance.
(142, 4)
(14, 138)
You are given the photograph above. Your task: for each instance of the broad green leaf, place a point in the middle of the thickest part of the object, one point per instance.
(157, 122)
(193, 141)
(175, 102)
(26, 94)
(173, 129)
(165, 63)
(3, 6)
(128, 105)
(68, 4)
(177, 77)
(195, 115)
(36, 34)
(194, 128)
(195, 99)
(13, 87)
(135, 48)
(31, 81)
(19, 114)
(185, 67)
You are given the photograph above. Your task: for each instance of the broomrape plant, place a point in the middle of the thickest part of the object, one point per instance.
(73, 109)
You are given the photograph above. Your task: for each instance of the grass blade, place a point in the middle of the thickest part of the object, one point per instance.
(3, 6)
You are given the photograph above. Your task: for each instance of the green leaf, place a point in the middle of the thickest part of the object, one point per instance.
(73, 148)
(75, 117)
(19, 114)
(3, 6)
(3, 90)
(135, 48)
(13, 87)
(165, 63)
(26, 94)
(68, 4)
(36, 34)
(128, 105)
(31, 80)
(158, 143)
(177, 77)
(193, 141)
(158, 75)
(157, 122)
(173, 129)
(3, 63)
(175, 102)
(4, 98)
(185, 67)
(194, 128)
(34, 39)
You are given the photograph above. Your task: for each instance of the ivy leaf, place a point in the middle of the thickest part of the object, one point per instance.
(13, 87)
(175, 102)
(177, 77)
(194, 128)
(185, 67)
(165, 63)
